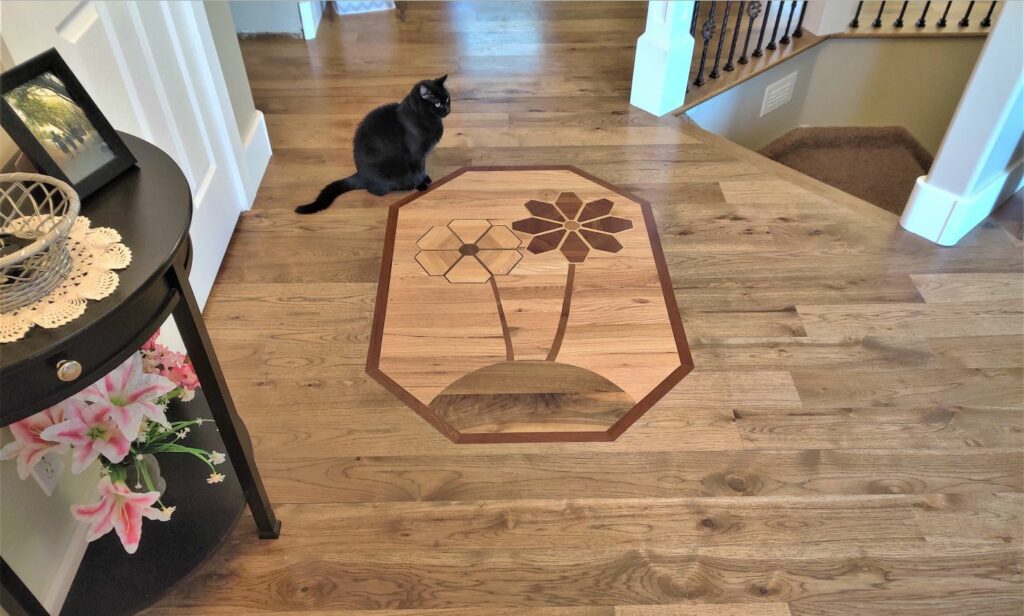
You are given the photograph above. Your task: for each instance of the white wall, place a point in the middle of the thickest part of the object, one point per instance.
(298, 19)
(39, 538)
(852, 82)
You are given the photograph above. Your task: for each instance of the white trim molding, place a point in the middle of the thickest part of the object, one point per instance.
(661, 67)
(256, 154)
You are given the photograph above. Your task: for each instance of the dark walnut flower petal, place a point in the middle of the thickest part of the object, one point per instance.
(535, 226)
(596, 209)
(569, 204)
(546, 241)
(543, 209)
(601, 241)
(609, 224)
(574, 248)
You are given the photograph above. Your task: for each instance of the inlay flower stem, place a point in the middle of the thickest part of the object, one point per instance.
(509, 354)
(563, 319)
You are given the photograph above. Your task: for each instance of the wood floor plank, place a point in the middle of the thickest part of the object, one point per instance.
(338, 578)
(676, 523)
(937, 426)
(929, 320)
(961, 604)
(643, 475)
(963, 288)
(996, 388)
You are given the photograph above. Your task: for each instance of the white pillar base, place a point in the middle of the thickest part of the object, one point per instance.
(945, 218)
(664, 51)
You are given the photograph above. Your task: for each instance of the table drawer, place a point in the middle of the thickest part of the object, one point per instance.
(37, 384)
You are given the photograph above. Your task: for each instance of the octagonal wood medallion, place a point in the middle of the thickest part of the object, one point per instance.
(523, 304)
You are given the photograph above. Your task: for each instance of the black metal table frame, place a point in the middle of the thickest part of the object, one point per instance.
(15, 597)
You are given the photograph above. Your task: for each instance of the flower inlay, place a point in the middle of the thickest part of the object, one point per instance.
(572, 226)
(468, 251)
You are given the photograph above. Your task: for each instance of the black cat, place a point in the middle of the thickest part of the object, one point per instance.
(391, 145)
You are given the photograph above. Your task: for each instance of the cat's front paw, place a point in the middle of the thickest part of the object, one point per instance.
(427, 181)
(422, 186)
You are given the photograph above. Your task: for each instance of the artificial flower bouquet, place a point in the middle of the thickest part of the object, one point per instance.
(120, 421)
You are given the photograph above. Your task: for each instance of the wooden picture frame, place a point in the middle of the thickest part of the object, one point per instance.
(50, 116)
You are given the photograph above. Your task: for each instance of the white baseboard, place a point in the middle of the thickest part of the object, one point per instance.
(256, 154)
(945, 218)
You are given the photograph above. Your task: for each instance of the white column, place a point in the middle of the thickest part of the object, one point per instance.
(828, 17)
(661, 67)
(980, 162)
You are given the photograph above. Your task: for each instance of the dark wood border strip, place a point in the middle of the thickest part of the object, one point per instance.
(380, 316)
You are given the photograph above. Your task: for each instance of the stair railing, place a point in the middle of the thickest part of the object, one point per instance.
(922, 21)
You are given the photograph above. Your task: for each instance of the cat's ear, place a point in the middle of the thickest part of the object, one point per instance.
(440, 80)
(424, 92)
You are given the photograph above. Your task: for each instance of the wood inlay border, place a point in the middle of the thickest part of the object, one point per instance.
(380, 315)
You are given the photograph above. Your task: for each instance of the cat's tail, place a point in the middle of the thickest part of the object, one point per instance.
(330, 193)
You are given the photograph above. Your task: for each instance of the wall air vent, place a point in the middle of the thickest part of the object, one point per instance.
(778, 94)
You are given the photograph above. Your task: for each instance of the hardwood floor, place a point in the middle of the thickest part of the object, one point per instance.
(849, 443)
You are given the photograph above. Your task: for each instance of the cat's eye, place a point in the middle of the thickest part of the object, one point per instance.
(438, 105)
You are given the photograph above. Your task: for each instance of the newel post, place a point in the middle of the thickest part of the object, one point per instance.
(664, 51)
(829, 17)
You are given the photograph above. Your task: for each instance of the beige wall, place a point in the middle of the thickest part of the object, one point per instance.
(852, 82)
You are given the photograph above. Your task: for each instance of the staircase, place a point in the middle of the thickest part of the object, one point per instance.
(736, 41)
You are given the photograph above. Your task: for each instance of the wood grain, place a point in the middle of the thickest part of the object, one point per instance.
(849, 444)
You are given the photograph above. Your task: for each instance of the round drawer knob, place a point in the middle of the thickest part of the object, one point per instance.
(68, 370)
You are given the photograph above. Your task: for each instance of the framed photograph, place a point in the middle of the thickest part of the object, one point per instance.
(51, 117)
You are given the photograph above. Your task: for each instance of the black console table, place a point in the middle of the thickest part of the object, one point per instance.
(151, 207)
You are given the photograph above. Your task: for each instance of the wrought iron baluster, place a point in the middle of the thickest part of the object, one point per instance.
(899, 20)
(764, 26)
(775, 29)
(729, 66)
(693, 18)
(921, 20)
(855, 22)
(707, 31)
(789, 22)
(966, 21)
(988, 16)
(800, 22)
(753, 10)
(942, 20)
(715, 73)
(878, 18)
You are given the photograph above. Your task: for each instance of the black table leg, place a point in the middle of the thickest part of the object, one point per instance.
(193, 332)
(15, 597)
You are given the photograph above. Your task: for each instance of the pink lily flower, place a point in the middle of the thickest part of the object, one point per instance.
(128, 395)
(28, 446)
(120, 509)
(89, 429)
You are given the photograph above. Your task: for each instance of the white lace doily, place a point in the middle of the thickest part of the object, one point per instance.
(94, 254)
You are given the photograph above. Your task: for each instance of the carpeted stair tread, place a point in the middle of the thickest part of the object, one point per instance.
(877, 164)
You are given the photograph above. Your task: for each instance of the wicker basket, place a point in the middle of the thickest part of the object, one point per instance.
(36, 215)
